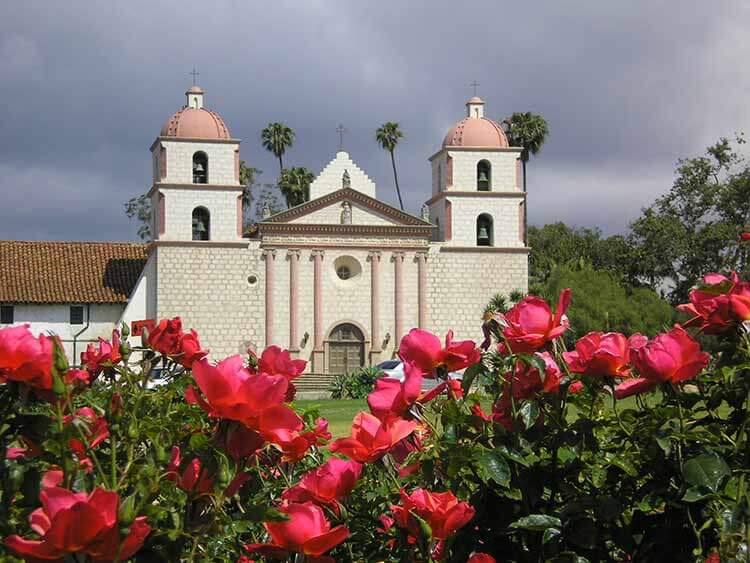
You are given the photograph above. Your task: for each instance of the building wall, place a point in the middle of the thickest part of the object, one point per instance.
(179, 155)
(503, 170)
(179, 203)
(505, 213)
(331, 215)
(330, 178)
(55, 319)
(460, 284)
(208, 287)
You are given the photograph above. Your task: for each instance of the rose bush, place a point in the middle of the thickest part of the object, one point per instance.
(622, 448)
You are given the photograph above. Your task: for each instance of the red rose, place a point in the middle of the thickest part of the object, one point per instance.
(392, 398)
(26, 358)
(371, 438)
(327, 484)
(71, 522)
(480, 558)
(601, 354)
(168, 339)
(670, 357)
(718, 304)
(530, 324)
(422, 353)
(307, 531)
(105, 356)
(442, 511)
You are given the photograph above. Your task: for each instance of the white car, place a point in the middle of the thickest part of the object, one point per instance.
(395, 370)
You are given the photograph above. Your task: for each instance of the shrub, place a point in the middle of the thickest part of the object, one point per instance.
(356, 384)
(624, 448)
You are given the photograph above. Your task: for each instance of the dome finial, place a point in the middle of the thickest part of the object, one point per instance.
(475, 107)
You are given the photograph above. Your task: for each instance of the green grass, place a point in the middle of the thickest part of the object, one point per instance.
(339, 412)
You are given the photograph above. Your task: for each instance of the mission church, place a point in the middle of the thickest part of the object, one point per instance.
(338, 280)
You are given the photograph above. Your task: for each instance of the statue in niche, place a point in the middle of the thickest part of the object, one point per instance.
(425, 213)
(265, 210)
(346, 181)
(346, 213)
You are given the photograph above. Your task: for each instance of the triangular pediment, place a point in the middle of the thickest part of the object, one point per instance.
(331, 209)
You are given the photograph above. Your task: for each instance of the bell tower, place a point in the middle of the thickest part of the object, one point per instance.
(476, 198)
(196, 193)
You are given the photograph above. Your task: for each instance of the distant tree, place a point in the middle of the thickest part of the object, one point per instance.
(277, 138)
(557, 244)
(601, 303)
(527, 130)
(248, 178)
(139, 208)
(388, 135)
(694, 228)
(295, 185)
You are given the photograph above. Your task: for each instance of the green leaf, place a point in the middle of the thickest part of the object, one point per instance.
(694, 494)
(550, 535)
(493, 466)
(470, 374)
(536, 522)
(706, 470)
(529, 413)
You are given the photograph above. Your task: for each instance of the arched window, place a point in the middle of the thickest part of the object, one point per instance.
(200, 168)
(485, 236)
(484, 176)
(201, 224)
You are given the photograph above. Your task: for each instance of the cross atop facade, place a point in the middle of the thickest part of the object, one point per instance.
(340, 130)
(475, 85)
(194, 74)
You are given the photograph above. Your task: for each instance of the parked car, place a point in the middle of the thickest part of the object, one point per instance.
(395, 369)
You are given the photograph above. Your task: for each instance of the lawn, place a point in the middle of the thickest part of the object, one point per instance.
(339, 412)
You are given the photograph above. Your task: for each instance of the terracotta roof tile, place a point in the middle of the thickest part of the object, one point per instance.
(69, 272)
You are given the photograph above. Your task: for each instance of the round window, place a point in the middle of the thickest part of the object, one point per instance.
(347, 268)
(252, 279)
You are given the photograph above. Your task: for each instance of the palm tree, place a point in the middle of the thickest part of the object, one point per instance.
(388, 136)
(276, 138)
(295, 185)
(529, 131)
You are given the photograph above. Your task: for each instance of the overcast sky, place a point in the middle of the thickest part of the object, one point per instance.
(627, 89)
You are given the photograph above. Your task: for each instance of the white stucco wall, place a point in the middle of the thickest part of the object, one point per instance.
(329, 179)
(142, 301)
(221, 161)
(179, 203)
(505, 213)
(55, 319)
(331, 215)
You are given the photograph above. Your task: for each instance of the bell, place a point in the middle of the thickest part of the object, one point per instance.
(198, 167)
(483, 238)
(199, 227)
(483, 176)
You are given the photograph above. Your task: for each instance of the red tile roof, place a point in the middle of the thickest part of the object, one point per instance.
(69, 272)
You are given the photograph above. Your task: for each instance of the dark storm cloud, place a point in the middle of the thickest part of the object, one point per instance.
(627, 89)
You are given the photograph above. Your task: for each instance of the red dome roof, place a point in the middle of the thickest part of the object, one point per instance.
(476, 132)
(196, 123)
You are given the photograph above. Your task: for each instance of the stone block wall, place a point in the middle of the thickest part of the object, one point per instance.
(505, 213)
(460, 284)
(503, 170)
(208, 287)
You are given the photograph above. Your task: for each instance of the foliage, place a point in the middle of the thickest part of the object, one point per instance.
(356, 384)
(527, 130)
(388, 136)
(602, 303)
(615, 451)
(249, 179)
(695, 227)
(139, 208)
(294, 185)
(277, 138)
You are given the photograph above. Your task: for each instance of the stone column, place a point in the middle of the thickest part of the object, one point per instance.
(269, 256)
(375, 350)
(398, 296)
(318, 354)
(293, 257)
(422, 288)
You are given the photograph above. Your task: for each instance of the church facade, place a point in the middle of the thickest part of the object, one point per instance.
(339, 279)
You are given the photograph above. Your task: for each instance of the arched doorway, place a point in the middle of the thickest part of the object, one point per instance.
(346, 349)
